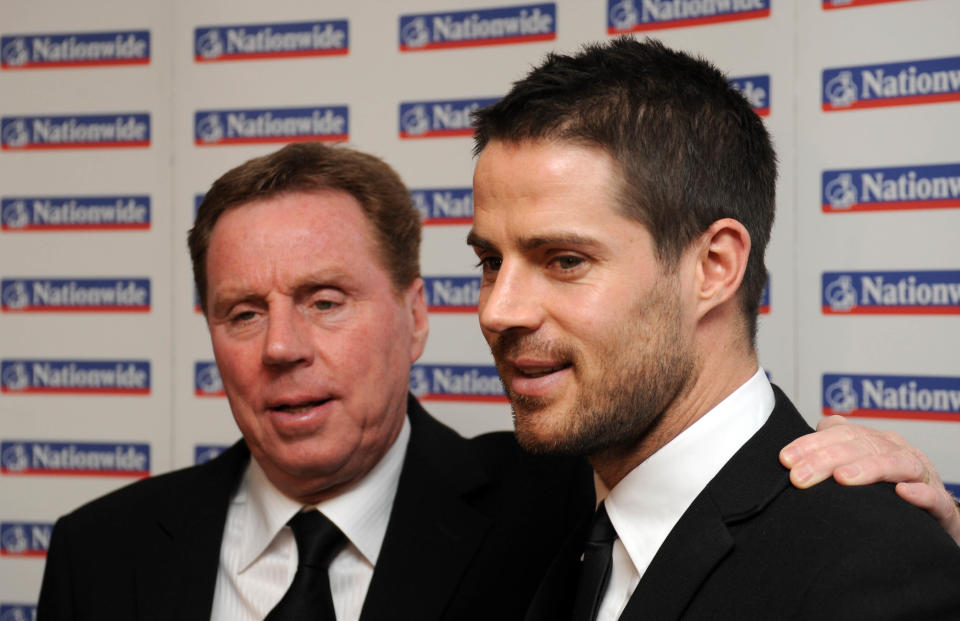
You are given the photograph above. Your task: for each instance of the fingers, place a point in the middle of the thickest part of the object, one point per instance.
(938, 502)
(854, 455)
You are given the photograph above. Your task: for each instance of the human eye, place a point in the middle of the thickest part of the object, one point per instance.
(567, 262)
(326, 299)
(489, 264)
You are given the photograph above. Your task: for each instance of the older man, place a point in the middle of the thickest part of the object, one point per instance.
(356, 503)
(624, 197)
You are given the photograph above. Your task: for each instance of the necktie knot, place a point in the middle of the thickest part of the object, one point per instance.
(318, 539)
(602, 531)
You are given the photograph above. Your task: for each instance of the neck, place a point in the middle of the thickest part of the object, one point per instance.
(727, 371)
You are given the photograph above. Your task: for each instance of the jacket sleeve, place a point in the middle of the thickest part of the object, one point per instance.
(56, 591)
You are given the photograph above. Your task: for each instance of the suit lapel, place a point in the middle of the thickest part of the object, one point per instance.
(433, 532)
(177, 575)
(706, 533)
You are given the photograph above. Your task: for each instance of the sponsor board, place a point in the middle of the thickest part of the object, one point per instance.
(18, 612)
(80, 49)
(89, 131)
(434, 119)
(32, 295)
(499, 26)
(452, 294)
(953, 488)
(893, 188)
(202, 453)
(444, 205)
(756, 90)
(903, 83)
(934, 292)
(281, 125)
(892, 396)
(456, 382)
(260, 41)
(206, 379)
(107, 377)
(74, 213)
(638, 15)
(847, 4)
(25, 539)
(38, 457)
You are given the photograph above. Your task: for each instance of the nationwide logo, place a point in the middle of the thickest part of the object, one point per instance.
(28, 457)
(892, 396)
(444, 205)
(765, 299)
(456, 382)
(513, 24)
(433, 119)
(218, 127)
(75, 294)
(756, 90)
(206, 380)
(452, 294)
(82, 49)
(74, 213)
(256, 41)
(899, 293)
(25, 133)
(202, 453)
(24, 538)
(846, 4)
(893, 84)
(638, 15)
(18, 612)
(118, 377)
(885, 189)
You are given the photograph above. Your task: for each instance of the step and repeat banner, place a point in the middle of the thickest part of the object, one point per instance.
(116, 116)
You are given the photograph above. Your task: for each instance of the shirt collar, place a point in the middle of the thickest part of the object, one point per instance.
(646, 504)
(361, 512)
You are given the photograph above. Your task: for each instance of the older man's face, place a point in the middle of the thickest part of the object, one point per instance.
(312, 339)
(585, 324)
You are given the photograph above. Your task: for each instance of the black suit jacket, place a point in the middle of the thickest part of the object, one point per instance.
(751, 546)
(473, 527)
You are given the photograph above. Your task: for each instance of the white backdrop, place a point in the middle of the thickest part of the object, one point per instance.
(117, 115)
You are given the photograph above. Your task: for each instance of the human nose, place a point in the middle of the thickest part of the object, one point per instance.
(287, 340)
(510, 302)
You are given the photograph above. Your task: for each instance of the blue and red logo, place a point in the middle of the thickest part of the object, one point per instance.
(18, 612)
(897, 293)
(202, 453)
(756, 90)
(32, 295)
(74, 213)
(893, 84)
(282, 125)
(259, 41)
(884, 189)
(512, 24)
(765, 299)
(108, 377)
(35, 457)
(639, 15)
(91, 131)
(456, 382)
(435, 119)
(892, 396)
(81, 49)
(25, 539)
(452, 294)
(847, 4)
(444, 205)
(206, 379)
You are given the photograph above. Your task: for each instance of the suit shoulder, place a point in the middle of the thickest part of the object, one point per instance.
(501, 454)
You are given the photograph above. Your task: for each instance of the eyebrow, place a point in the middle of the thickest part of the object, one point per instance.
(538, 241)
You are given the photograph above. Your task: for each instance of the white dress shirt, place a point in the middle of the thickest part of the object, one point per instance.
(647, 503)
(258, 555)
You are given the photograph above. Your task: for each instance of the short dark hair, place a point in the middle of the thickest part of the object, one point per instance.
(689, 147)
(314, 167)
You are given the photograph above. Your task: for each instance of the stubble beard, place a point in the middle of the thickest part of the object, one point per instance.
(641, 371)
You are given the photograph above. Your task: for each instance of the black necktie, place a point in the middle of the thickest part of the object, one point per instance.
(318, 541)
(595, 568)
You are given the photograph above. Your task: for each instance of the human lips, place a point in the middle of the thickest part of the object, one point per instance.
(533, 377)
(299, 415)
